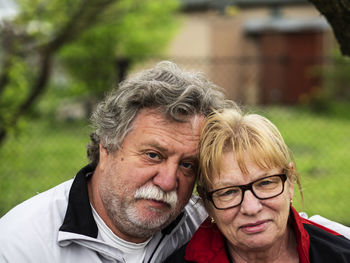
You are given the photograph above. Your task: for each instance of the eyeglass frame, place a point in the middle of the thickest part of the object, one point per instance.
(245, 187)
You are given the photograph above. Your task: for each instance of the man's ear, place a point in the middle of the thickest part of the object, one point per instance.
(103, 156)
(103, 150)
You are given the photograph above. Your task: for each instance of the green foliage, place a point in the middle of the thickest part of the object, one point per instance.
(152, 24)
(144, 30)
(337, 77)
(16, 92)
(335, 85)
(80, 41)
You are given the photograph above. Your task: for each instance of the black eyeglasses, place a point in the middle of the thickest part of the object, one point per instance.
(264, 188)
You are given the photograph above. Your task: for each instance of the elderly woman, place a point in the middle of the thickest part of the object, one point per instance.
(247, 184)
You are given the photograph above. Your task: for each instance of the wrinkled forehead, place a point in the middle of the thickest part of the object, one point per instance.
(194, 119)
(193, 122)
(153, 124)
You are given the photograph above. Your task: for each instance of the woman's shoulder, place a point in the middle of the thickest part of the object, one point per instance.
(335, 226)
(326, 246)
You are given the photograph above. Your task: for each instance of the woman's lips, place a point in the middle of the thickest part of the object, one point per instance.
(256, 227)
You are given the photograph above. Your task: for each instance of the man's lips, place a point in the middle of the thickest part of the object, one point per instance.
(256, 227)
(156, 203)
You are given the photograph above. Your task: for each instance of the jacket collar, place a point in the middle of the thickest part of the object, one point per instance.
(79, 218)
(301, 235)
(208, 244)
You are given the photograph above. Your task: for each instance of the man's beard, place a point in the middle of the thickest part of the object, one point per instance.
(126, 216)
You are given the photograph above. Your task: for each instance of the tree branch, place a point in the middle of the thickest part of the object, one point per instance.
(81, 21)
(337, 12)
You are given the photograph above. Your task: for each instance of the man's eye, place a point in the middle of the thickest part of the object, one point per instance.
(153, 155)
(187, 165)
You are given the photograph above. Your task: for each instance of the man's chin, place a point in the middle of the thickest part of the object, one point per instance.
(150, 217)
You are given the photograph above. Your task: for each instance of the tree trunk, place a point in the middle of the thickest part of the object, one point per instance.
(337, 12)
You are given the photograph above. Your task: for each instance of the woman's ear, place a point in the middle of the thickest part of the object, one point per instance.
(203, 194)
(291, 167)
(291, 180)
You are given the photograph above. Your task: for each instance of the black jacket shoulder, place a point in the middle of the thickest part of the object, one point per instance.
(326, 247)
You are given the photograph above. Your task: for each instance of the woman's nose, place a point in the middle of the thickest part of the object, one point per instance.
(250, 204)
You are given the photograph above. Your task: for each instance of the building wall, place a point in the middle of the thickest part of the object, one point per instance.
(218, 45)
(193, 38)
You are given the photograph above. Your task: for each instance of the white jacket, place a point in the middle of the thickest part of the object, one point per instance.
(58, 226)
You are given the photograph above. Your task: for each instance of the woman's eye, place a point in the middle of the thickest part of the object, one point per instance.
(265, 182)
(231, 192)
(268, 183)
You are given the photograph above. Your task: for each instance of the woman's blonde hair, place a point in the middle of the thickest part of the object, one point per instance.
(245, 135)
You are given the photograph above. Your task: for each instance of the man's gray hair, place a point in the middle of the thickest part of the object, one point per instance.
(176, 93)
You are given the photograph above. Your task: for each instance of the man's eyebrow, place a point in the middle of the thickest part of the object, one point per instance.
(192, 157)
(156, 145)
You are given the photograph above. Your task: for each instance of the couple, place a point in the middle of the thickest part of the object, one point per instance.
(133, 202)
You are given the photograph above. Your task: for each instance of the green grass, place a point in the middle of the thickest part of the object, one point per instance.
(46, 154)
(39, 158)
(320, 146)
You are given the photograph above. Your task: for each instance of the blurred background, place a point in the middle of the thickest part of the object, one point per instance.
(278, 58)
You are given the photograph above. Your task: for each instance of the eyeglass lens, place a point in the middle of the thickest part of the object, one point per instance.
(263, 188)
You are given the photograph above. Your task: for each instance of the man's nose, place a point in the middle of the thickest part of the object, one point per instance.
(250, 204)
(167, 177)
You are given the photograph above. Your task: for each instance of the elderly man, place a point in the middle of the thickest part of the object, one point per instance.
(132, 203)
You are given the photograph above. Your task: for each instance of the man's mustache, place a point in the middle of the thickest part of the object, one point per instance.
(155, 193)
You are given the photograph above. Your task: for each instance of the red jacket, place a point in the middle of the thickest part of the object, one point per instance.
(316, 244)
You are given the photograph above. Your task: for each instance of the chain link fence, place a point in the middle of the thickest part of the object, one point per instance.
(49, 151)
